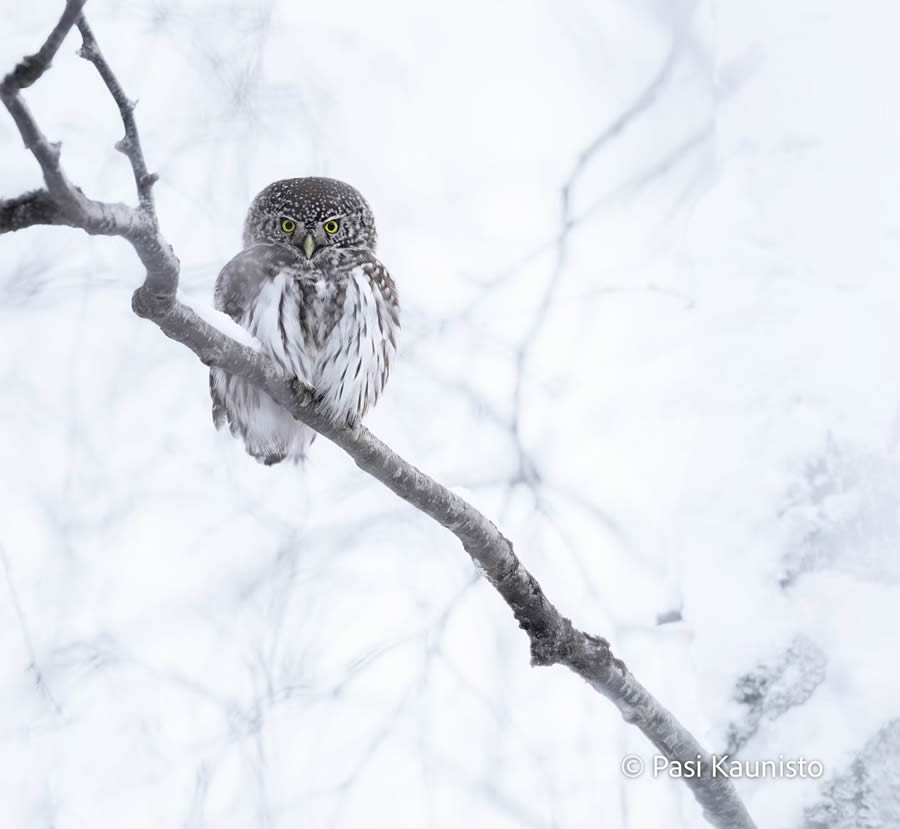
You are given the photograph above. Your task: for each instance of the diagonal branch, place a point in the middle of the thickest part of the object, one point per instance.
(31, 67)
(554, 640)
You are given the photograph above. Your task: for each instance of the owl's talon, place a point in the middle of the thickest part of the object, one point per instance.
(305, 395)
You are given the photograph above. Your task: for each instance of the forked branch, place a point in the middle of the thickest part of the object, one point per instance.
(554, 640)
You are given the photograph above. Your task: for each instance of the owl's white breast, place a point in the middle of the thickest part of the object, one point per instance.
(354, 364)
(343, 351)
(274, 319)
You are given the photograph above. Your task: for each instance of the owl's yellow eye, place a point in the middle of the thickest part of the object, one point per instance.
(331, 227)
(288, 226)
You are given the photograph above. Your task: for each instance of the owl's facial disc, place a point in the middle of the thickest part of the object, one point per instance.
(331, 212)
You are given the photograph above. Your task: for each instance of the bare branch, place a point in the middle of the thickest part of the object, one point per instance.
(31, 67)
(130, 145)
(33, 663)
(72, 207)
(137, 225)
(528, 472)
(554, 640)
(36, 207)
(622, 121)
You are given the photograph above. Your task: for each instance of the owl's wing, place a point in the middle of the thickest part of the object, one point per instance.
(241, 280)
(237, 287)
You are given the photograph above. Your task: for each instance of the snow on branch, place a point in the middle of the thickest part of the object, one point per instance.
(554, 640)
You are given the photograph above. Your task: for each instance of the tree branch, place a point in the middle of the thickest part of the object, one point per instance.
(554, 640)
(130, 145)
(31, 67)
(37, 207)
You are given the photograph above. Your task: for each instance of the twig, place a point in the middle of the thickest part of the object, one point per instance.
(33, 664)
(622, 121)
(567, 222)
(31, 67)
(130, 145)
(553, 637)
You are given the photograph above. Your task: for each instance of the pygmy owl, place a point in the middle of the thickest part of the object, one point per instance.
(307, 285)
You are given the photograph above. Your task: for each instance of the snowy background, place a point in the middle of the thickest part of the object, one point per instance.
(647, 253)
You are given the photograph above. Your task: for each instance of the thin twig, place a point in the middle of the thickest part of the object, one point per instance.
(130, 145)
(553, 637)
(31, 67)
(528, 472)
(33, 664)
(625, 118)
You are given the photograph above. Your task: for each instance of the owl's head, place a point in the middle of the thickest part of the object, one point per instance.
(310, 214)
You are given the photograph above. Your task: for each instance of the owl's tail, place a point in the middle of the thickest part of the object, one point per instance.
(269, 432)
(219, 413)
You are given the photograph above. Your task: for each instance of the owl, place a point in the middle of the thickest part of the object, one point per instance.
(307, 285)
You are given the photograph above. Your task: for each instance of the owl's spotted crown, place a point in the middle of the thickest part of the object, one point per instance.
(310, 202)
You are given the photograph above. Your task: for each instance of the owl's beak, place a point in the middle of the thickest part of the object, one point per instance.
(309, 245)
